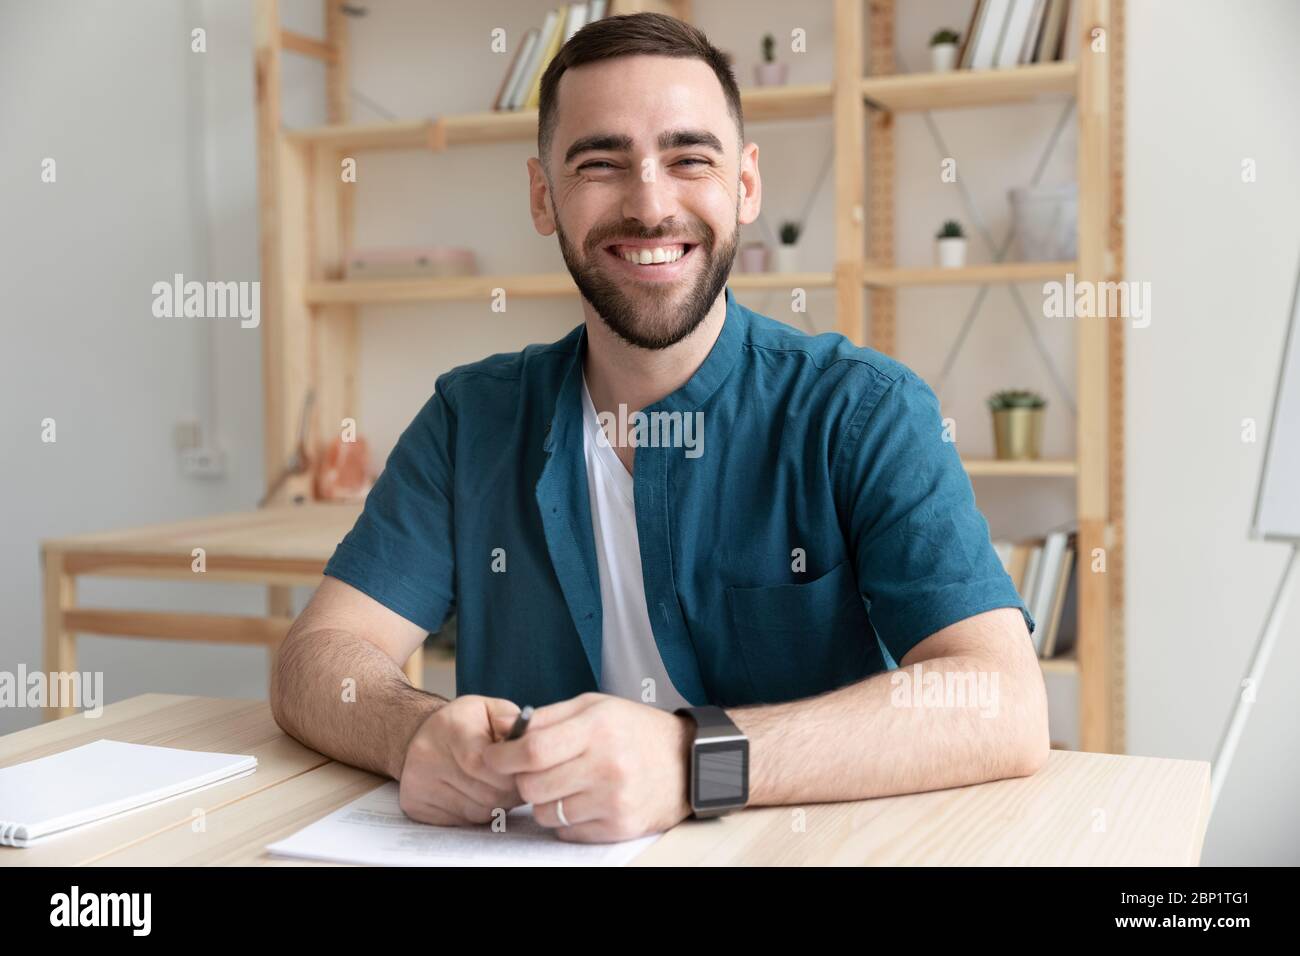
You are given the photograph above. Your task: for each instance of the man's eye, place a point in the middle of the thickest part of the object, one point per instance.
(601, 164)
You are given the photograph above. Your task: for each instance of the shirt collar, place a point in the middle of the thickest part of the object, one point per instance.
(713, 371)
(717, 364)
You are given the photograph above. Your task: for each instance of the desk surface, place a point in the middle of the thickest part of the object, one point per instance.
(1081, 809)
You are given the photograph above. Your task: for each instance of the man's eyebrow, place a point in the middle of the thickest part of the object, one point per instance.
(677, 138)
(622, 143)
(607, 142)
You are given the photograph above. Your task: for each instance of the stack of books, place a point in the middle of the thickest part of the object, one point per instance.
(1045, 575)
(521, 85)
(1005, 33)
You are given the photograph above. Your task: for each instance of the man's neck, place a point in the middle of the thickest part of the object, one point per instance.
(622, 374)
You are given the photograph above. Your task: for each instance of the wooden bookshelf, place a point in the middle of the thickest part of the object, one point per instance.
(311, 314)
(1097, 467)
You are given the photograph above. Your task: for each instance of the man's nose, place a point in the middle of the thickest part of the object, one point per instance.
(650, 197)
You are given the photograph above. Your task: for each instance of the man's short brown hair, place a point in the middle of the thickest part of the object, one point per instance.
(633, 34)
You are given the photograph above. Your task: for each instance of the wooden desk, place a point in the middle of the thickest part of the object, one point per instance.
(279, 547)
(1081, 809)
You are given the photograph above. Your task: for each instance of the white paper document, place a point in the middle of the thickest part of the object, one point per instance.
(374, 831)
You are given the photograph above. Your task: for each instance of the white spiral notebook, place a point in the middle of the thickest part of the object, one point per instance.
(87, 784)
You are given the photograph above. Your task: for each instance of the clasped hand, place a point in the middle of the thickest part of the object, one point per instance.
(617, 768)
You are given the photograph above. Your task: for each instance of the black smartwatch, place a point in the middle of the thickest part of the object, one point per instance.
(719, 772)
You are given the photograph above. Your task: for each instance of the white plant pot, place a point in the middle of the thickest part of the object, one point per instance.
(787, 258)
(770, 74)
(951, 252)
(943, 57)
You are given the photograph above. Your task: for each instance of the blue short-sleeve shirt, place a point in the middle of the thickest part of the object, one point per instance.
(817, 517)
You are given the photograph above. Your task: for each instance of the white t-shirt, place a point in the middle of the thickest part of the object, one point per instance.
(629, 653)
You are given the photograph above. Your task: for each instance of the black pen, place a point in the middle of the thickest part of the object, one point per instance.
(521, 723)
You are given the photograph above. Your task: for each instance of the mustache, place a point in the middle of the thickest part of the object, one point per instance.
(608, 237)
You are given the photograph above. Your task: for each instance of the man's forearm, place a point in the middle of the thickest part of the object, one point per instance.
(346, 698)
(893, 734)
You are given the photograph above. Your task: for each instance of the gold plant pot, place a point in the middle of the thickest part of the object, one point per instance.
(1018, 433)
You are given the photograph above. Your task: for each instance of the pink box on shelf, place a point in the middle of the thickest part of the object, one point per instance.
(414, 262)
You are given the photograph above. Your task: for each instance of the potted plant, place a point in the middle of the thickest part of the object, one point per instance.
(753, 257)
(787, 253)
(943, 50)
(1017, 423)
(950, 245)
(769, 72)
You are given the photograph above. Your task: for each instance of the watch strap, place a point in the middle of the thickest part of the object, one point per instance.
(710, 721)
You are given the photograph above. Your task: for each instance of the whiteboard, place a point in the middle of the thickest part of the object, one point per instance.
(1277, 504)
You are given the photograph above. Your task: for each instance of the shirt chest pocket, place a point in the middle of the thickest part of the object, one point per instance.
(803, 639)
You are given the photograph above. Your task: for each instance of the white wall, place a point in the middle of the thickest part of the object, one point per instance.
(118, 101)
(131, 116)
(1210, 84)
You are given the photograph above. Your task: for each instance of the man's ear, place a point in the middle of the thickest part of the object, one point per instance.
(749, 192)
(539, 198)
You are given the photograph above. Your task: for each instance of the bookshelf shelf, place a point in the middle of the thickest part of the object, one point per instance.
(903, 92)
(995, 272)
(1042, 468)
(403, 134)
(1060, 665)
(451, 289)
(763, 104)
(760, 281)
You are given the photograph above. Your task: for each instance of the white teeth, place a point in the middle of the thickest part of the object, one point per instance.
(645, 257)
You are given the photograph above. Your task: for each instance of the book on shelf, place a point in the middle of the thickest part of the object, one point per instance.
(1069, 49)
(522, 83)
(1057, 604)
(510, 82)
(1014, 31)
(1008, 33)
(1068, 627)
(1044, 574)
(990, 18)
(1030, 42)
(537, 60)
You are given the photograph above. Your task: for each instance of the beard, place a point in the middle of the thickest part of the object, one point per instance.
(650, 316)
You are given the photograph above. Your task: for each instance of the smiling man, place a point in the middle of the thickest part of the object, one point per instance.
(697, 631)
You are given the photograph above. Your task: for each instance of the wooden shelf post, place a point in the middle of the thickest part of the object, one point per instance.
(848, 115)
(880, 243)
(1091, 335)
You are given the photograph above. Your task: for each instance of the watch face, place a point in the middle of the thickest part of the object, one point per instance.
(721, 777)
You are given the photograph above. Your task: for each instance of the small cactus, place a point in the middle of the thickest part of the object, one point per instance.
(769, 48)
(944, 36)
(789, 233)
(951, 230)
